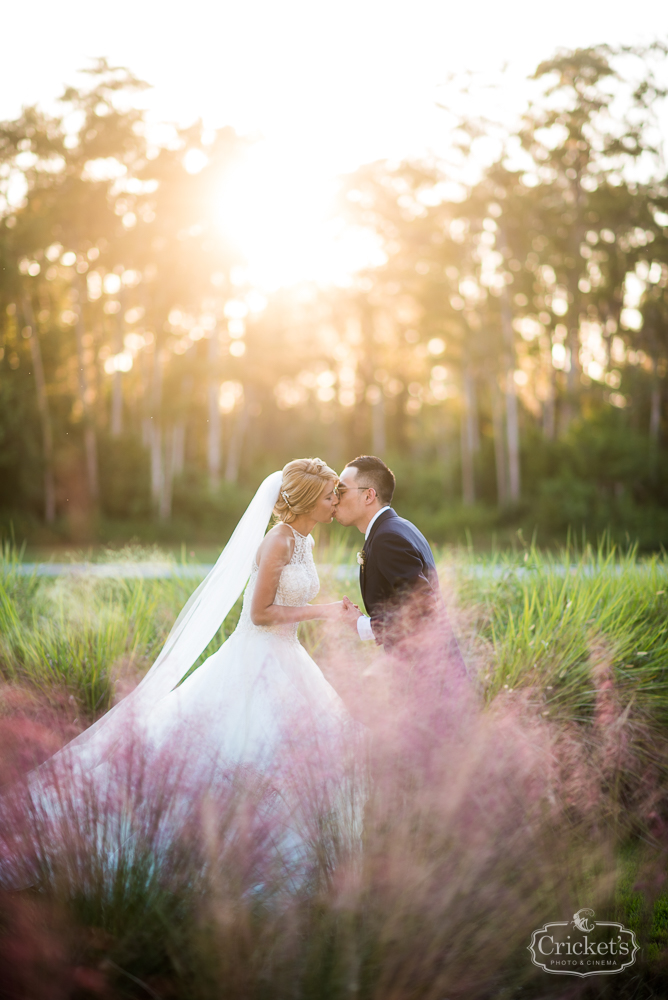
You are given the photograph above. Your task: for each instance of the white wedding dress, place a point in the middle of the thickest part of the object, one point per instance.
(243, 702)
(257, 712)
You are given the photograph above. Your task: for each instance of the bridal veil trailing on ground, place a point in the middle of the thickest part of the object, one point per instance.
(254, 738)
(193, 630)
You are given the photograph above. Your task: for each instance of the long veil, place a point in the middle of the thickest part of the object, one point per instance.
(195, 627)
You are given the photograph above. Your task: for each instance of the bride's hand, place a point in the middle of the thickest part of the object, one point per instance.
(332, 612)
(350, 613)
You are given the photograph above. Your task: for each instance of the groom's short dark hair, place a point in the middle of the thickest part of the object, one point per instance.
(374, 472)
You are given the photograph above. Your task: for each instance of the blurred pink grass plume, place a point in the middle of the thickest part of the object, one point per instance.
(412, 856)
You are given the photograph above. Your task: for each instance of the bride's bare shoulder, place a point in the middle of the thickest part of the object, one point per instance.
(278, 545)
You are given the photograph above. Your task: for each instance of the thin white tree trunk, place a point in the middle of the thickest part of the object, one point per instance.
(467, 442)
(213, 449)
(146, 360)
(572, 320)
(155, 432)
(171, 465)
(90, 441)
(157, 476)
(214, 440)
(378, 425)
(474, 427)
(513, 436)
(117, 384)
(165, 503)
(236, 443)
(444, 445)
(178, 447)
(512, 414)
(44, 414)
(499, 443)
(550, 406)
(655, 412)
(654, 423)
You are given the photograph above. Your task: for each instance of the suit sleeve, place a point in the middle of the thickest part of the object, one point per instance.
(401, 565)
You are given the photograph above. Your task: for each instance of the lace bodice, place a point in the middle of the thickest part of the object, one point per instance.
(298, 585)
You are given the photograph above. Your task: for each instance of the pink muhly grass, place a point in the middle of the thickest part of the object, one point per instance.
(411, 854)
(461, 813)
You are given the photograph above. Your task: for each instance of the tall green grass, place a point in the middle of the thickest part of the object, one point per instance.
(75, 632)
(543, 620)
(549, 621)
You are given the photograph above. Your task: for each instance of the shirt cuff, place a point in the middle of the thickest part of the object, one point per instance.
(364, 629)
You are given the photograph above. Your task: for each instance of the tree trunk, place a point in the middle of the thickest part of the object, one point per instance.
(178, 447)
(90, 440)
(165, 502)
(155, 428)
(157, 471)
(499, 443)
(146, 369)
(654, 422)
(468, 440)
(513, 437)
(550, 405)
(44, 413)
(236, 443)
(444, 449)
(512, 415)
(655, 409)
(474, 426)
(213, 451)
(378, 425)
(572, 320)
(171, 463)
(117, 383)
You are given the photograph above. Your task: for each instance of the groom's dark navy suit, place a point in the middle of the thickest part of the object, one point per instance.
(399, 571)
(397, 563)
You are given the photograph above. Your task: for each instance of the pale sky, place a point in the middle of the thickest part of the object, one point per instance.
(353, 79)
(329, 86)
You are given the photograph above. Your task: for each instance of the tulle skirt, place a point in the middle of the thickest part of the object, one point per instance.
(254, 748)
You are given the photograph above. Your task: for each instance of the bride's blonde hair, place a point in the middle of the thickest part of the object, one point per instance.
(303, 482)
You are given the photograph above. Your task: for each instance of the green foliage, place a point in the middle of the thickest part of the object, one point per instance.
(550, 618)
(509, 355)
(77, 633)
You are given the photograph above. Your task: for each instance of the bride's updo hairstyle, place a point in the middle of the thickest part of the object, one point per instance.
(303, 482)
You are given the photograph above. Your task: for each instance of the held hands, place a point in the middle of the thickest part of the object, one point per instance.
(331, 612)
(350, 613)
(341, 611)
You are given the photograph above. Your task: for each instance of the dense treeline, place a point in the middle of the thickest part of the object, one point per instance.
(507, 352)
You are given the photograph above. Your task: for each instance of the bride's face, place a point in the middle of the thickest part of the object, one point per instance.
(326, 504)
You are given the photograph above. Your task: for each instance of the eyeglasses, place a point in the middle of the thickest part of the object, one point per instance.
(340, 490)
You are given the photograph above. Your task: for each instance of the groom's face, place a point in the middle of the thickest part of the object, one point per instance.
(353, 501)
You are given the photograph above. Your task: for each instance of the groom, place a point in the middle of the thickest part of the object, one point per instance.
(396, 564)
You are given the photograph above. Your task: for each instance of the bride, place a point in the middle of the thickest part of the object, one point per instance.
(259, 706)
(239, 699)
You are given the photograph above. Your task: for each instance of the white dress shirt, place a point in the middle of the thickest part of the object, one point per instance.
(364, 629)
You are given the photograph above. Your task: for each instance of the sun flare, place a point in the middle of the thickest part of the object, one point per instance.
(279, 209)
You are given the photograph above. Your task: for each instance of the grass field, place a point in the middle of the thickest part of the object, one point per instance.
(539, 618)
(565, 802)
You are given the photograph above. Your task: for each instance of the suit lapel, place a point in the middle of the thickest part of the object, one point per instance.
(379, 520)
(366, 550)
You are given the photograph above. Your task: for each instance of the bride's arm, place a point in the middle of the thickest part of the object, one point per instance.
(275, 553)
